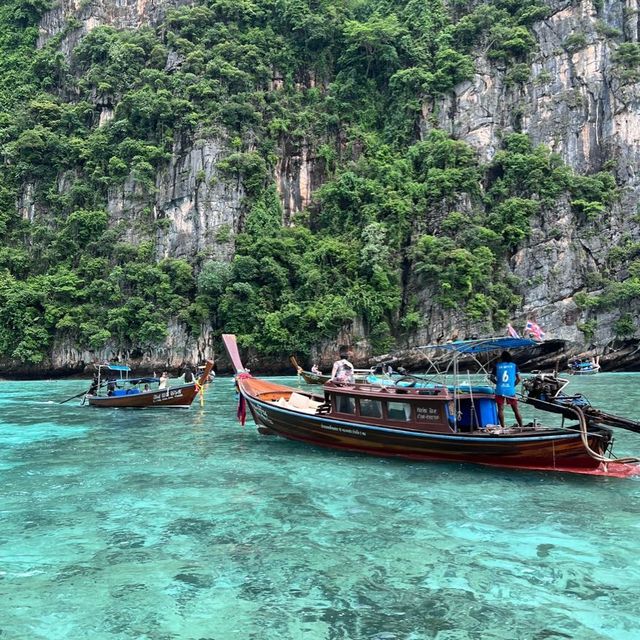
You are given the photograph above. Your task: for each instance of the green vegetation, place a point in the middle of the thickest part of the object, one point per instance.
(627, 59)
(349, 80)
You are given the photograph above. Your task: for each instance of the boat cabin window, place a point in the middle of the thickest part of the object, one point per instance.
(345, 404)
(399, 411)
(370, 408)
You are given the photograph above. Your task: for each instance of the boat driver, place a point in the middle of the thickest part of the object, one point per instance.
(343, 370)
(506, 377)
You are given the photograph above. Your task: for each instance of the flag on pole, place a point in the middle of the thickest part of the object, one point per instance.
(512, 332)
(534, 330)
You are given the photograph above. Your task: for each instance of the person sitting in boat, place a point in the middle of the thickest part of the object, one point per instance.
(505, 376)
(189, 378)
(343, 370)
(164, 380)
(93, 389)
(111, 386)
(315, 369)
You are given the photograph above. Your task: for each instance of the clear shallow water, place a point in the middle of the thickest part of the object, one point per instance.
(180, 524)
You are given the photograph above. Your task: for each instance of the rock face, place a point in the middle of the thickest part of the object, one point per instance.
(89, 14)
(179, 350)
(576, 102)
(199, 209)
(297, 176)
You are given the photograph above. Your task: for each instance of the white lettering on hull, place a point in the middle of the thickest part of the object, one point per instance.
(168, 394)
(347, 430)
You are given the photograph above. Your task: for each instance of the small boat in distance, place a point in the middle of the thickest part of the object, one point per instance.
(124, 392)
(584, 366)
(437, 422)
(313, 377)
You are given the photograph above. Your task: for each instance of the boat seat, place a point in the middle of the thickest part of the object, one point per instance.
(300, 403)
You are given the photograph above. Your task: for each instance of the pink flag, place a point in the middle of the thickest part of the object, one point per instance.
(512, 332)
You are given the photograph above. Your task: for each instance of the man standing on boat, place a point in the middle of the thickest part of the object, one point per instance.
(506, 377)
(343, 370)
(164, 380)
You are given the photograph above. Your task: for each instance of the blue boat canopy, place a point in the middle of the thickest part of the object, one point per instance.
(483, 345)
(116, 367)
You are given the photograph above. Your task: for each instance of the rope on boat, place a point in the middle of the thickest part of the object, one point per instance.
(590, 451)
(474, 417)
(584, 436)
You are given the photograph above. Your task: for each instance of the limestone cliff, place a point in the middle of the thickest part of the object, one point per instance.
(576, 102)
(73, 19)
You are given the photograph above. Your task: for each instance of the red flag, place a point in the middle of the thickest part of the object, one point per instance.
(535, 330)
(241, 414)
(242, 409)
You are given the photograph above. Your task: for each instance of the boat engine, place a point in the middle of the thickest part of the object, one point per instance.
(544, 386)
(545, 391)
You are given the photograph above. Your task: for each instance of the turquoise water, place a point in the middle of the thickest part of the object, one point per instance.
(180, 524)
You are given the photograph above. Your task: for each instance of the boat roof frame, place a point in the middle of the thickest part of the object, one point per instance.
(114, 367)
(450, 353)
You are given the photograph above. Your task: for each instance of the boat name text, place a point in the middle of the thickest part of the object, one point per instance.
(354, 432)
(167, 395)
(429, 413)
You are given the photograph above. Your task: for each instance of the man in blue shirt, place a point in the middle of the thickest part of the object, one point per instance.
(506, 377)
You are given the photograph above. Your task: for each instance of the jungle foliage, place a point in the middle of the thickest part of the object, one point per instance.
(349, 79)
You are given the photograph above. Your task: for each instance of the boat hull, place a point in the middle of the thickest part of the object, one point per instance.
(550, 450)
(314, 378)
(176, 397)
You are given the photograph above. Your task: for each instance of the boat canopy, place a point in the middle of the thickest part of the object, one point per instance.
(483, 345)
(115, 367)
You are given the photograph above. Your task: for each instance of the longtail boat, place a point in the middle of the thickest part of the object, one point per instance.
(310, 377)
(584, 366)
(437, 422)
(125, 392)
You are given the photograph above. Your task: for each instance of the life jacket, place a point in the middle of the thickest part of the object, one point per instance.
(506, 374)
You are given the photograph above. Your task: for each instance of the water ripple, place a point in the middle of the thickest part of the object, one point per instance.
(182, 525)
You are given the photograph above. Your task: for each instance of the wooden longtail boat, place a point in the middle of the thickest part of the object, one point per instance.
(320, 378)
(439, 422)
(126, 392)
(584, 366)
